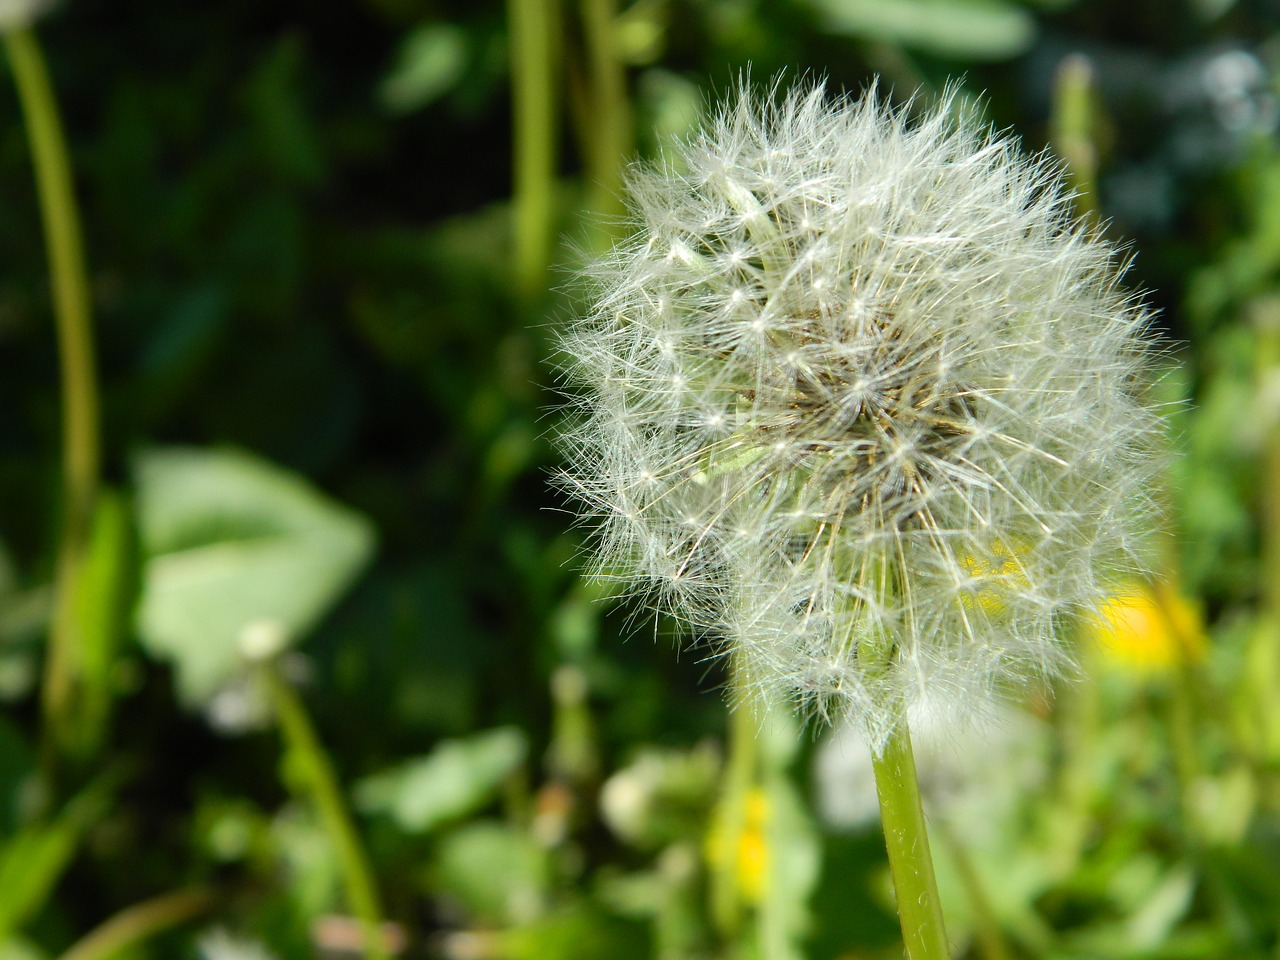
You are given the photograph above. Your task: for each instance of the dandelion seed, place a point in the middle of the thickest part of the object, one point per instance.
(900, 435)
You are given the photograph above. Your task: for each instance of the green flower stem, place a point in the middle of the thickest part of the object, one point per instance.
(610, 142)
(70, 288)
(140, 922)
(990, 938)
(740, 774)
(910, 863)
(1262, 671)
(1074, 131)
(319, 779)
(533, 89)
(1078, 710)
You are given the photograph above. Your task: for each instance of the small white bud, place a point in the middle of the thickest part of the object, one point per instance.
(263, 639)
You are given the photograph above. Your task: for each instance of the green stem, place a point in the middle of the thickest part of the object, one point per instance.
(910, 863)
(1079, 727)
(610, 142)
(1262, 676)
(991, 939)
(740, 774)
(140, 922)
(1074, 134)
(533, 70)
(75, 352)
(320, 780)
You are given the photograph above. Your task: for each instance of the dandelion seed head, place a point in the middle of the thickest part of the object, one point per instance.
(888, 396)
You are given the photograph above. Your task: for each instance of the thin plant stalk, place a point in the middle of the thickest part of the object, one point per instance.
(910, 862)
(1074, 131)
(1262, 674)
(990, 938)
(322, 783)
(610, 142)
(740, 774)
(81, 454)
(142, 921)
(533, 88)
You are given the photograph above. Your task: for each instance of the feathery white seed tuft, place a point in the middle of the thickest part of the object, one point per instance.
(862, 402)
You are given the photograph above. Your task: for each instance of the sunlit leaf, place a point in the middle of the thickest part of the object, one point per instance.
(499, 873)
(233, 543)
(976, 29)
(456, 778)
(34, 858)
(430, 62)
(16, 948)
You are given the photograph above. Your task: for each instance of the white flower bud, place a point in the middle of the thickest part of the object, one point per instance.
(863, 402)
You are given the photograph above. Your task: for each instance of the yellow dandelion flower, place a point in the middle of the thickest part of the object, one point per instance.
(749, 849)
(1149, 629)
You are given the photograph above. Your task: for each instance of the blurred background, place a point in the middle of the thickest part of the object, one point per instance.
(295, 660)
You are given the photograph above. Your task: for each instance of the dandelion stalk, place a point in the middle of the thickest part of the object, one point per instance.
(80, 459)
(910, 862)
(322, 783)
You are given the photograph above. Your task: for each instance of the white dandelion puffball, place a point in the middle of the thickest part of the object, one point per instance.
(862, 403)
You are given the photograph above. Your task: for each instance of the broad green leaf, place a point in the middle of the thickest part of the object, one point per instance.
(456, 778)
(966, 29)
(235, 546)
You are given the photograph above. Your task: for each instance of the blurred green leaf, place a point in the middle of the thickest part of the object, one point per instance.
(965, 29)
(1247, 263)
(309, 861)
(458, 777)
(17, 768)
(663, 796)
(34, 858)
(500, 874)
(579, 933)
(234, 543)
(104, 591)
(1164, 907)
(24, 618)
(285, 130)
(672, 106)
(16, 948)
(430, 61)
